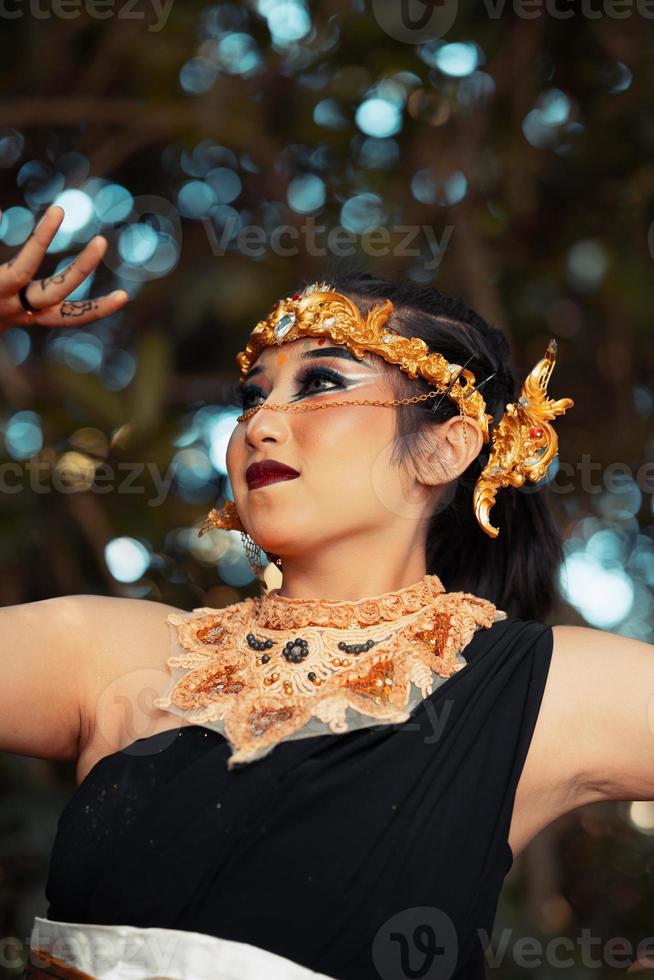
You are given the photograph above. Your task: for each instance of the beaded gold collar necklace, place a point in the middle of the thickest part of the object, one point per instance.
(270, 669)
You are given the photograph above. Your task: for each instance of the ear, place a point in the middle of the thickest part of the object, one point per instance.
(455, 443)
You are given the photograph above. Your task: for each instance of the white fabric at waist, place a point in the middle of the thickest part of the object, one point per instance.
(131, 953)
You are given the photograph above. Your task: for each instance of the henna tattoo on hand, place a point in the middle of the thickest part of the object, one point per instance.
(57, 280)
(77, 307)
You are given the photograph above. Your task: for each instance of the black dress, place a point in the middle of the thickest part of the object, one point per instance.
(375, 853)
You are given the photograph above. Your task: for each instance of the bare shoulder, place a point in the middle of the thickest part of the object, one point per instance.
(593, 737)
(551, 779)
(606, 689)
(125, 671)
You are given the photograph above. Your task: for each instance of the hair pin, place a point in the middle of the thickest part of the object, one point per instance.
(452, 383)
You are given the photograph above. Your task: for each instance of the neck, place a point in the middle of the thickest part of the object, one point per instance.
(351, 571)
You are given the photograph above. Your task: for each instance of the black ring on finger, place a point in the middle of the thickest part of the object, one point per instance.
(24, 302)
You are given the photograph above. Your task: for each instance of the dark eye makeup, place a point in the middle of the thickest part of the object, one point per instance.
(305, 377)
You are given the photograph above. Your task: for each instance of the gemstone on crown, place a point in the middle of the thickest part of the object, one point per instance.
(283, 325)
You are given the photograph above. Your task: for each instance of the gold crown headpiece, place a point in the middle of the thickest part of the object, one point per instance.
(523, 441)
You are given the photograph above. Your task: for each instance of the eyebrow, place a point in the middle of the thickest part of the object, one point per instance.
(316, 352)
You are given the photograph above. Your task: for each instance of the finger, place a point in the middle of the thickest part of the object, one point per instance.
(22, 267)
(74, 313)
(54, 289)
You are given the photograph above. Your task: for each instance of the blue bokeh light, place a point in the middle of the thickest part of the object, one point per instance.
(195, 199)
(197, 76)
(362, 213)
(603, 596)
(378, 154)
(118, 369)
(233, 566)
(18, 344)
(457, 59)
(16, 225)
(23, 434)
(379, 117)
(11, 147)
(542, 125)
(217, 432)
(127, 559)
(428, 188)
(306, 193)
(623, 77)
(192, 468)
(237, 54)
(78, 210)
(225, 184)
(81, 351)
(137, 243)
(328, 114)
(288, 22)
(112, 203)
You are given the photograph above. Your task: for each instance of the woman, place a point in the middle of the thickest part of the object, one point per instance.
(359, 755)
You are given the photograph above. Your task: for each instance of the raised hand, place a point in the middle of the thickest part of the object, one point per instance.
(47, 296)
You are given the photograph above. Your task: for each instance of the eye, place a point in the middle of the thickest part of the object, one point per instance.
(314, 375)
(246, 392)
(307, 379)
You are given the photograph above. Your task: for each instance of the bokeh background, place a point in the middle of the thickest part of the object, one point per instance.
(507, 157)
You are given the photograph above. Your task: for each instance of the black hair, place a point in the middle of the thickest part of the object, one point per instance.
(519, 569)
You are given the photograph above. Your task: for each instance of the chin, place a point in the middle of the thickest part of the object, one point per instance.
(264, 535)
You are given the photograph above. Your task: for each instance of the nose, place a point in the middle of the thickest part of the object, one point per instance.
(266, 425)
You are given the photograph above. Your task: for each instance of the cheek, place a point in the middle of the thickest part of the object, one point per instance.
(234, 455)
(360, 467)
(344, 453)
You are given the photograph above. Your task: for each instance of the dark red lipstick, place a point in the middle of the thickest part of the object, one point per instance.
(268, 471)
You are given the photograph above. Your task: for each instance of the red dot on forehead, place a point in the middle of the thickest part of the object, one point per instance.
(321, 341)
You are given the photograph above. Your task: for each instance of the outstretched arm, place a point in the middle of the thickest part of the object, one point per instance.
(58, 658)
(59, 655)
(607, 682)
(594, 738)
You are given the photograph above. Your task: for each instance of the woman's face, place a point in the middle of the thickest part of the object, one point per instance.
(347, 486)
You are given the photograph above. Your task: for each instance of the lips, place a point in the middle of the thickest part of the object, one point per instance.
(268, 471)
